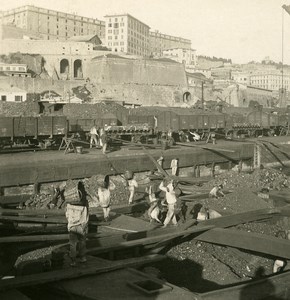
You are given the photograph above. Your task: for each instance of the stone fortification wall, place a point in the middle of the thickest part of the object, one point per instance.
(164, 95)
(35, 85)
(140, 94)
(142, 71)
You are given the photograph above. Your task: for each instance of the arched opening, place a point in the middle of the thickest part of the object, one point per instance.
(64, 67)
(186, 97)
(78, 69)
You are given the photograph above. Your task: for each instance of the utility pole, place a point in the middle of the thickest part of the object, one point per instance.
(282, 90)
(202, 96)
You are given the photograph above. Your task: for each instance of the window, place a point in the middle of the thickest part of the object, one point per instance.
(18, 98)
(116, 25)
(110, 31)
(116, 19)
(3, 97)
(110, 25)
(109, 37)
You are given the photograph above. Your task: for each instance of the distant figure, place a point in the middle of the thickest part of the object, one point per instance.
(160, 161)
(205, 214)
(101, 132)
(104, 139)
(278, 265)
(171, 200)
(174, 166)
(154, 210)
(104, 195)
(195, 136)
(217, 192)
(132, 185)
(77, 218)
(94, 137)
(155, 122)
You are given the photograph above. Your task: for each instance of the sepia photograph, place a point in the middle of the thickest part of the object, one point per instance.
(145, 149)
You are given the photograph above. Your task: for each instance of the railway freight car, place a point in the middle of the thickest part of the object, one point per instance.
(20, 130)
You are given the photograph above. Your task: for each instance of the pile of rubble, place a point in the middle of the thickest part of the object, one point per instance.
(260, 178)
(57, 196)
(93, 110)
(11, 109)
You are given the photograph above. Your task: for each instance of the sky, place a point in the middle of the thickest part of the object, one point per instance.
(242, 30)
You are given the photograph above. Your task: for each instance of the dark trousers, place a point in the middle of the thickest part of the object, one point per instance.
(77, 239)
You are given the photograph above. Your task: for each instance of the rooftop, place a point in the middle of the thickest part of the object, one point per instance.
(126, 15)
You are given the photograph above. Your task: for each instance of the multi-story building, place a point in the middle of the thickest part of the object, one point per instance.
(181, 55)
(124, 33)
(241, 77)
(51, 24)
(16, 70)
(160, 42)
(274, 80)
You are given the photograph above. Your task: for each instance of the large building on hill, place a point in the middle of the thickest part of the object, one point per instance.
(126, 34)
(159, 42)
(51, 24)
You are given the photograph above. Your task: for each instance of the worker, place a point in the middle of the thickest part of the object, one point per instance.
(160, 161)
(170, 196)
(174, 166)
(206, 213)
(104, 139)
(213, 138)
(217, 191)
(195, 136)
(104, 195)
(279, 265)
(77, 219)
(132, 185)
(154, 210)
(94, 137)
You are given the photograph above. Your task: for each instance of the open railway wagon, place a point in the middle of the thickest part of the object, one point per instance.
(178, 119)
(31, 130)
(255, 122)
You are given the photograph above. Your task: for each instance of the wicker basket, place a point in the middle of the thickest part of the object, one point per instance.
(72, 194)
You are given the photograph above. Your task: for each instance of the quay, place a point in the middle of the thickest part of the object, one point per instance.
(52, 166)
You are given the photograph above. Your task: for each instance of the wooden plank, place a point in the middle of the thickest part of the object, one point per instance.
(173, 234)
(34, 238)
(247, 240)
(197, 196)
(123, 208)
(241, 218)
(99, 267)
(49, 220)
(42, 238)
(14, 199)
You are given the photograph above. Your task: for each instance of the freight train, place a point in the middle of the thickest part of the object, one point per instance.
(147, 122)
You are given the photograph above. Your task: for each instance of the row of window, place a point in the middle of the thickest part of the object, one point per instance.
(16, 98)
(116, 44)
(8, 68)
(115, 31)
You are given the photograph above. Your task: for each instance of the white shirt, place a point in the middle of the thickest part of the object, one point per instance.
(76, 215)
(174, 163)
(132, 184)
(94, 131)
(105, 195)
(170, 193)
